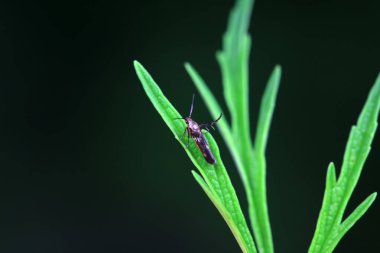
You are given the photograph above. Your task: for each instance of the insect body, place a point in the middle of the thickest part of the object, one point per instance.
(194, 130)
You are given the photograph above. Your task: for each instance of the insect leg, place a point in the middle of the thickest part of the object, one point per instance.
(211, 124)
(183, 133)
(188, 137)
(206, 127)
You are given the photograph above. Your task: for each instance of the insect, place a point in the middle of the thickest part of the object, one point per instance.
(194, 130)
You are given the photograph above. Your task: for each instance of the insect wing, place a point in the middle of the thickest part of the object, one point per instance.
(205, 149)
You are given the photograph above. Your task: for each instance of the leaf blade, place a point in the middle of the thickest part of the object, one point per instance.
(325, 213)
(234, 64)
(215, 176)
(266, 110)
(350, 222)
(359, 143)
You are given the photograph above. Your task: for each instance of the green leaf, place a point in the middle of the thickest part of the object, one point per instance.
(359, 144)
(266, 110)
(234, 63)
(238, 24)
(356, 214)
(234, 59)
(350, 221)
(328, 233)
(328, 208)
(215, 176)
(258, 208)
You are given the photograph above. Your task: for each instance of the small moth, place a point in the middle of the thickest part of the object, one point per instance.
(194, 130)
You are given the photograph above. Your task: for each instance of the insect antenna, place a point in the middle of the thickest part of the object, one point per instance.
(214, 122)
(191, 107)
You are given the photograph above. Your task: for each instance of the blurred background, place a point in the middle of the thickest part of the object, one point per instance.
(87, 164)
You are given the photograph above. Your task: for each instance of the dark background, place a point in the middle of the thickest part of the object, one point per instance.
(87, 165)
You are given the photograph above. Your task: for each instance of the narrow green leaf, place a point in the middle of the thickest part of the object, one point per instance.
(357, 149)
(328, 208)
(258, 208)
(266, 109)
(235, 78)
(349, 222)
(234, 44)
(241, 121)
(228, 86)
(234, 63)
(359, 143)
(237, 27)
(215, 176)
(356, 215)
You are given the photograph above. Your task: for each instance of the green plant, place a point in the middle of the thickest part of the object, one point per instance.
(250, 156)
(330, 228)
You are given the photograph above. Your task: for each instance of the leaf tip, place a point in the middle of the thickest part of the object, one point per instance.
(331, 169)
(136, 63)
(331, 175)
(188, 66)
(138, 68)
(373, 196)
(278, 69)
